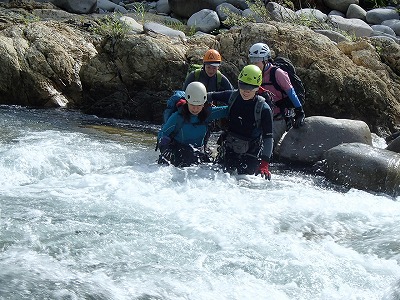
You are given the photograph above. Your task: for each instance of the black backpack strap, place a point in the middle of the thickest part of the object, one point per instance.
(258, 110)
(273, 80)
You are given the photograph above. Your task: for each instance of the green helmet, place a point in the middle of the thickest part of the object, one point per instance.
(250, 77)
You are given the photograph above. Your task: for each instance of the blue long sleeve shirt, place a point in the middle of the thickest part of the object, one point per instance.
(192, 132)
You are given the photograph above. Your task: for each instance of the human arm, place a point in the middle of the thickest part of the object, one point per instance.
(225, 84)
(168, 127)
(266, 118)
(222, 96)
(299, 115)
(218, 112)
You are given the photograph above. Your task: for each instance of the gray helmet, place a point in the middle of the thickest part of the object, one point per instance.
(259, 52)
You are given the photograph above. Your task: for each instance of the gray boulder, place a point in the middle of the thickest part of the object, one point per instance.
(378, 15)
(364, 167)
(394, 24)
(224, 7)
(308, 143)
(333, 35)
(107, 5)
(205, 20)
(336, 13)
(356, 12)
(162, 29)
(76, 6)
(162, 7)
(394, 145)
(312, 14)
(280, 13)
(383, 29)
(352, 26)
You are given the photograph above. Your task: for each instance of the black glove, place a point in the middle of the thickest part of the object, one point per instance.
(299, 117)
(163, 143)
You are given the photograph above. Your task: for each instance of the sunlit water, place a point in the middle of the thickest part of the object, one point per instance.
(86, 213)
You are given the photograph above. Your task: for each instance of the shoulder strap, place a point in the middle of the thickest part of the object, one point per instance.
(219, 79)
(232, 100)
(197, 74)
(258, 109)
(273, 79)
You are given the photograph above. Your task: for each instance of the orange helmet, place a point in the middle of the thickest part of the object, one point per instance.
(212, 57)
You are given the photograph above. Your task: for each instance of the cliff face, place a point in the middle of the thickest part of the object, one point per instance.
(58, 63)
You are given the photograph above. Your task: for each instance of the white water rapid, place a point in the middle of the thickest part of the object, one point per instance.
(86, 213)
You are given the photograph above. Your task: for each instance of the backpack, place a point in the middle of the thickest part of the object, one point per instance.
(171, 104)
(286, 65)
(257, 108)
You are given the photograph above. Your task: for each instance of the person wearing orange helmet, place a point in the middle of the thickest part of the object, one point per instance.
(213, 80)
(209, 74)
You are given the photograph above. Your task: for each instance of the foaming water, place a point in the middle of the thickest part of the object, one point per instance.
(86, 213)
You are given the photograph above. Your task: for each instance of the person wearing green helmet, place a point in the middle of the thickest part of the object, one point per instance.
(246, 146)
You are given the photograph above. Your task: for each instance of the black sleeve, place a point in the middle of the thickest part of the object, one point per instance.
(223, 96)
(225, 84)
(266, 125)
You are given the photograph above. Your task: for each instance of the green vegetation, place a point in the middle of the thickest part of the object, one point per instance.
(110, 26)
(188, 30)
(140, 11)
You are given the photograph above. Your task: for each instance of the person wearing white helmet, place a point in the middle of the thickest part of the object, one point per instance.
(181, 139)
(260, 55)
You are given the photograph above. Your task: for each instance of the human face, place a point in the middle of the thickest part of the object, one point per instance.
(210, 70)
(259, 64)
(248, 94)
(195, 109)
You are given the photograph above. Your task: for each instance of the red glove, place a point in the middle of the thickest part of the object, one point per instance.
(180, 103)
(263, 170)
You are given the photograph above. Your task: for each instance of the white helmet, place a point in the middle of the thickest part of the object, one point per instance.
(196, 93)
(259, 52)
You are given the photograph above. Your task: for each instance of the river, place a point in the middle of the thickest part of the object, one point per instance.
(86, 213)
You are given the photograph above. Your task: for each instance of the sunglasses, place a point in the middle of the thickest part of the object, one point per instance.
(249, 90)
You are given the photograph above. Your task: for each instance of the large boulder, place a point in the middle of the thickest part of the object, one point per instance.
(76, 6)
(40, 64)
(363, 167)
(130, 78)
(308, 143)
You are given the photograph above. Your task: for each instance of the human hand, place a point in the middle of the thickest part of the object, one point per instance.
(299, 117)
(263, 170)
